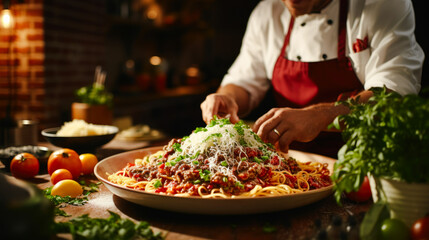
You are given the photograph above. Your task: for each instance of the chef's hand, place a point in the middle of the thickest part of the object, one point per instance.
(281, 126)
(221, 105)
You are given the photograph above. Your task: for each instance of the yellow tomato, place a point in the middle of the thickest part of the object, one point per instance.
(67, 187)
(88, 161)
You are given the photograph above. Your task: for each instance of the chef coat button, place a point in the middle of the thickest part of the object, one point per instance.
(298, 57)
(324, 56)
(330, 22)
(303, 24)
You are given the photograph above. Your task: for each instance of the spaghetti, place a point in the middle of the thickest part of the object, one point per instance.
(222, 160)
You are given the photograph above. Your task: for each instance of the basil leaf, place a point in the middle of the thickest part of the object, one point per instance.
(371, 223)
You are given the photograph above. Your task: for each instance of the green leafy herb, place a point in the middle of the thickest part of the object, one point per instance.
(386, 137)
(114, 227)
(239, 127)
(200, 129)
(177, 147)
(242, 141)
(256, 159)
(371, 223)
(225, 179)
(195, 155)
(157, 184)
(95, 94)
(239, 184)
(216, 121)
(269, 228)
(205, 175)
(216, 135)
(60, 202)
(224, 163)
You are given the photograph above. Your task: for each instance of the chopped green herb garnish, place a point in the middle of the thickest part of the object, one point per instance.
(216, 121)
(60, 202)
(269, 228)
(157, 184)
(200, 129)
(224, 163)
(196, 155)
(256, 159)
(239, 128)
(239, 184)
(242, 142)
(177, 147)
(113, 227)
(205, 175)
(218, 135)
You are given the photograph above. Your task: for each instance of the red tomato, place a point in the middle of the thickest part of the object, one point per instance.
(420, 229)
(67, 159)
(24, 165)
(60, 174)
(363, 194)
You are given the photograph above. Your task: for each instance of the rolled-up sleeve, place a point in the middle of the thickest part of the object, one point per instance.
(396, 59)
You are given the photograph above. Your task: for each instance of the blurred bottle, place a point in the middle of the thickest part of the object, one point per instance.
(335, 231)
(352, 228)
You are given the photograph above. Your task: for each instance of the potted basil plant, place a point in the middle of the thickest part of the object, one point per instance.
(387, 139)
(94, 105)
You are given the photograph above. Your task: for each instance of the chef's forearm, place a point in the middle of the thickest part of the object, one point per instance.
(329, 111)
(239, 94)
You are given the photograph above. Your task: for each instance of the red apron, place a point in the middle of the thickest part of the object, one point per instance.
(300, 84)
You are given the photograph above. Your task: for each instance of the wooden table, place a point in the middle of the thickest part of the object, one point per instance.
(299, 223)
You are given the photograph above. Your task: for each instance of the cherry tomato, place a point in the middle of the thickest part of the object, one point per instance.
(420, 229)
(67, 159)
(24, 165)
(67, 187)
(88, 161)
(363, 194)
(394, 229)
(60, 174)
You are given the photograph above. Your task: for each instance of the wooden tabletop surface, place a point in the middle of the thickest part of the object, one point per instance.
(299, 223)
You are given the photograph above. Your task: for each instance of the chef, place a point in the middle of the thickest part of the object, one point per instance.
(314, 53)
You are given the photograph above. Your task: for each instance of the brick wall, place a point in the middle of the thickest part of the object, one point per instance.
(21, 61)
(52, 50)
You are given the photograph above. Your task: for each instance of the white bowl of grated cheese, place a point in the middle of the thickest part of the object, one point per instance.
(80, 136)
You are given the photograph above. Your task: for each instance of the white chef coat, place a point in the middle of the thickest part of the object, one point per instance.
(393, 57)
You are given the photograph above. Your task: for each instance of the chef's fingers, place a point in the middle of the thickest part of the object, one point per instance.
(234, 117)
(209, 108)
(262, 120)
(284, 142)
(270, 130)
(229, 108)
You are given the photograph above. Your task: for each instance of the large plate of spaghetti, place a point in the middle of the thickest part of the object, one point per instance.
(222, 168)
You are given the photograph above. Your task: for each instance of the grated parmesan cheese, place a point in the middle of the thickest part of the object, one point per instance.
(219, 142)
(79, 127)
